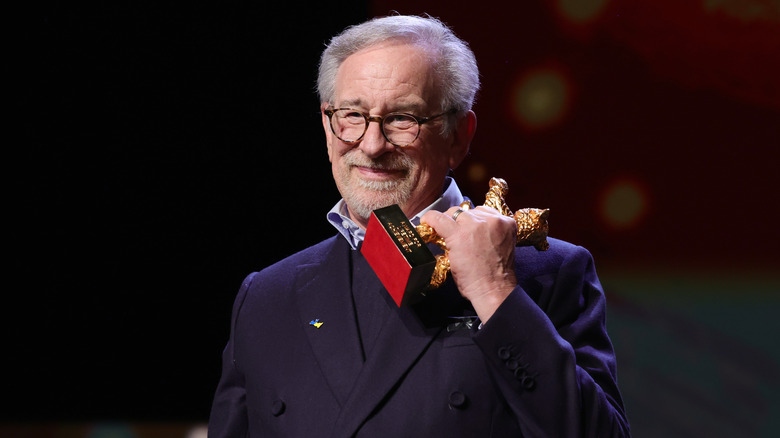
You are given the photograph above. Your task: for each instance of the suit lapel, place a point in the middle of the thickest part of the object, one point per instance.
(324, 297)
(401, 341)
(324, 294)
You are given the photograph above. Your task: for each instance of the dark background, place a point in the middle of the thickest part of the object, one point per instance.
(165, 152)
(168, 152)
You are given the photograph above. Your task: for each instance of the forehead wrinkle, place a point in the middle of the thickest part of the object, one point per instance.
(393, 94)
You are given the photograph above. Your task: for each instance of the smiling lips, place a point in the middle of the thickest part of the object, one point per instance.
(378, 172)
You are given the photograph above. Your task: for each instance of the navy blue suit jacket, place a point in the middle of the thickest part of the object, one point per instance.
(542, 366)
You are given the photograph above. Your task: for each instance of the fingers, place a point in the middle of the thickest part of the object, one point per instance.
(486, 209)
(446, 223)
(459, 227)
(442, 222)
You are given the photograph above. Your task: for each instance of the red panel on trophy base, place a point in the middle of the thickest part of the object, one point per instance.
(397, 254)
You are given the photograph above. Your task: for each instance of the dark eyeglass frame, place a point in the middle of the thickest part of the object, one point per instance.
(380, 119)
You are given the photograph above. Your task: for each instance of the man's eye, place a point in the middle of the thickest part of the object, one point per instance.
(353, 117)
(400, 121)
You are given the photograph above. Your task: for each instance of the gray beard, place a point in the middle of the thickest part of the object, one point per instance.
(363, 197)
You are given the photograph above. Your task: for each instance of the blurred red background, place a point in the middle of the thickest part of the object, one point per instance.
(676, 102)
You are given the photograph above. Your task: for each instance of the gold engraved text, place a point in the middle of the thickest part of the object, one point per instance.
(405, 236)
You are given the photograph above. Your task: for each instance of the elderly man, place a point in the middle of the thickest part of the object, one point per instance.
(513, 345)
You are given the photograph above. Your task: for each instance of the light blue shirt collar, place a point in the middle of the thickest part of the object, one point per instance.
(338, 216)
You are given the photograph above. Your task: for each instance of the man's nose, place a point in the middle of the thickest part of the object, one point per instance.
(374, 143)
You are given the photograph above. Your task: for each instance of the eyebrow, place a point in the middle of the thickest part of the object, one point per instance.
(410, 107)
(350, 103)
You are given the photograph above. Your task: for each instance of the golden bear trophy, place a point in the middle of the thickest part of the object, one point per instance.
(398, 254)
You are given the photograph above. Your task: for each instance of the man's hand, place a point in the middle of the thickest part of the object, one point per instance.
(481, 244)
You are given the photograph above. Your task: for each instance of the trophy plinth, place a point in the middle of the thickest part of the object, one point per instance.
(398, 255)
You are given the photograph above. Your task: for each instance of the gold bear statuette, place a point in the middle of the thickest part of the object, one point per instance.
(532, 228)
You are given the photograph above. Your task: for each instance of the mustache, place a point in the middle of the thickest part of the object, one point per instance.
(385, 162)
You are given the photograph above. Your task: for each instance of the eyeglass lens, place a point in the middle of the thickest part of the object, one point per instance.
(350, 125)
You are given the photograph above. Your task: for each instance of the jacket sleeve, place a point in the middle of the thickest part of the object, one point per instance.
(228, 418)
(551, 356)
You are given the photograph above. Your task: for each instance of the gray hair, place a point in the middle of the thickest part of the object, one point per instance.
(453, 61)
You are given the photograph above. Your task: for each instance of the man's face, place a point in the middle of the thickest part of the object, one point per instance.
(373, 173)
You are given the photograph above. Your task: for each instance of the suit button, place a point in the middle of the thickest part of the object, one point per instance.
(504, 353)
(458, 400)
(528, 382)
(277, 408)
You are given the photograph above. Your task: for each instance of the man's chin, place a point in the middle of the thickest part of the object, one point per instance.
(364, 203)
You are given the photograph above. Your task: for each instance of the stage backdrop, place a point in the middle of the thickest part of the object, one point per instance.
(164, 152)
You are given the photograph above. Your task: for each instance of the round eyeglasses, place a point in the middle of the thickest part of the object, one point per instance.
(400, 129)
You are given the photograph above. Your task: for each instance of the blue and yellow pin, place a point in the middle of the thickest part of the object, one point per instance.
(316, 323)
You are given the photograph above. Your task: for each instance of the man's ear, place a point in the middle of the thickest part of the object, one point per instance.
(461, 138)
(328, 132)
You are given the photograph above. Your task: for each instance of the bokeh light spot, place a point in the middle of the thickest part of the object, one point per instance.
(624, 203)
(581, 10)
(477, 173)
(541, 98)
(199, 431)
